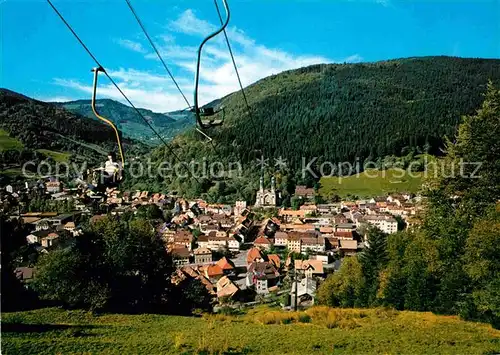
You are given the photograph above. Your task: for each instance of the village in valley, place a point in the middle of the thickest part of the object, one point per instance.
(243, 254)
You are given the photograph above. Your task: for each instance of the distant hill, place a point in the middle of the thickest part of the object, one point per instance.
(130, 123)
(29, 126)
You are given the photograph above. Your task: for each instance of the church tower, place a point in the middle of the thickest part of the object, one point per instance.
(267, 197)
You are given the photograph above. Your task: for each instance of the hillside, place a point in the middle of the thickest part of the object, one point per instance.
(335, 113)
(130, 123)
(31, 129)
(339, 112)
(9, 143)
(261, 331)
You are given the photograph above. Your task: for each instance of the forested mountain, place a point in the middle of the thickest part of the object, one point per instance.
(130, 123)
(43, 126)
(339, 112)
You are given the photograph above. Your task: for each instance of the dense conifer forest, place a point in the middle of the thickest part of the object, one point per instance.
(340, 112)
(335, 113)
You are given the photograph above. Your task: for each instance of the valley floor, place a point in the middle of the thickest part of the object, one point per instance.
(260, 331)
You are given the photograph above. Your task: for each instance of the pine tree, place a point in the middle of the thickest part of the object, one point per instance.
(373, 259)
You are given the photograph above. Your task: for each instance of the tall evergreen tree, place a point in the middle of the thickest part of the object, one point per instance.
(373, 259)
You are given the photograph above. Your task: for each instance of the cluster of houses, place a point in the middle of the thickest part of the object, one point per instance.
(226, 247)
(308, 241)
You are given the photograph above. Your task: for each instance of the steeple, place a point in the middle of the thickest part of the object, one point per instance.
(261, 183)
(273, 184)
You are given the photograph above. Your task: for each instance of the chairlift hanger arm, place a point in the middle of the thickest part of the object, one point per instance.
(104, 119)
(198, 63)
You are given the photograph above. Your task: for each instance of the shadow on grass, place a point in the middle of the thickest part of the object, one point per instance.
(71, 330)
(229, 351)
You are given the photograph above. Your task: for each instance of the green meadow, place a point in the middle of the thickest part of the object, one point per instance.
(56, 156)
(371, 183)
(9, 143)
(261, 330)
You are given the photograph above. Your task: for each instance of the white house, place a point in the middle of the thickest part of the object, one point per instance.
(233, 244)
(386, 224)
(312, 244)
(281, 239)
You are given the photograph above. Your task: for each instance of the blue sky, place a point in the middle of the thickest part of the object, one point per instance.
(40, 58)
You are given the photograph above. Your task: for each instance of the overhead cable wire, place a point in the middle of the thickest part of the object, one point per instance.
(156, 50)
(165, 66)
(235, 66)
(250, 113)
(116, 86)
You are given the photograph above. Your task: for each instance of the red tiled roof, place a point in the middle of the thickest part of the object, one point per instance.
(303, 190)
(275, 260)
(316, 265)
(262, 240)
(188, 270)
(285, 212)
(202, 238)
(281, 235)
(263, 270)
(253, 254)
(348, 244)
(226, 288)
(202, 251)
(343, 234)
(208, 285)
(310, 241)
(180, 252)
(225, 264)
(214, 270)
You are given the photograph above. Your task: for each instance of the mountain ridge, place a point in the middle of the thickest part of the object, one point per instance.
(131, 124)
(42, 127)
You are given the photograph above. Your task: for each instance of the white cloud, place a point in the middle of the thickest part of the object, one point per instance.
(154, 90)
(188, 23)
(55, 98)
(132, 45)
(355, 58)
(383, 2)
(132, 76)
(153, 98)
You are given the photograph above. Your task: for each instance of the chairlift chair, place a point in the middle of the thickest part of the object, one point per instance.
(116, 178)
(205, 116)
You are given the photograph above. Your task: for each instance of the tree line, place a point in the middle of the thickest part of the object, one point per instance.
(450, 263)
(115, 265)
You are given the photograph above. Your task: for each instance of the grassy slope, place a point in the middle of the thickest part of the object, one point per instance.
(57, 156)
(371, 183)
(328, 331)
(9, 143)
